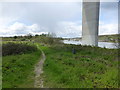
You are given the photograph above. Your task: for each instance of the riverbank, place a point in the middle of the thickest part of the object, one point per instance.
(109, 45)
(101, 38)
(109, 38)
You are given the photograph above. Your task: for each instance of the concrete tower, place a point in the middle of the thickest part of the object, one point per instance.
(90, 22)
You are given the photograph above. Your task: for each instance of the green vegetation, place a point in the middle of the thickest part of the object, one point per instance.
(47, 39)
(90, 67)
(18, 69)
(0, 63)
(11, 48)
(110, 38)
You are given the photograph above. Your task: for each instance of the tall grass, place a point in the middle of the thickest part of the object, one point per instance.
(18, 70)
(90, 67)
(18, 63)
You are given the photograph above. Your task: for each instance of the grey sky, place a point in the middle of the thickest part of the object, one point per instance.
(62, 18)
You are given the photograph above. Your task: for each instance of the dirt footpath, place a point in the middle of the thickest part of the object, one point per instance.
(38, 71)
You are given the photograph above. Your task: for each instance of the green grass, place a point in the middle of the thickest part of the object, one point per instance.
(18, 70)
(89, 67)
(0, 63)
(110, 38)
(0, 72)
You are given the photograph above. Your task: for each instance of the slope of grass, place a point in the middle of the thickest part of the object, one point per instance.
(89, 67)
(110, 38)
(18, 70)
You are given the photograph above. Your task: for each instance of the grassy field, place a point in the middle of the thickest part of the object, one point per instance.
(0, 63)
(90, 67)
(18, 70)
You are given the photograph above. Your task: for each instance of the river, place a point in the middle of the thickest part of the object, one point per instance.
(109, 45)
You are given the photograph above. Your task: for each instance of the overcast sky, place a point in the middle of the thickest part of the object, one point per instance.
(62, 18)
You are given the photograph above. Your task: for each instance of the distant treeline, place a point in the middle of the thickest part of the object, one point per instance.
(49, 38)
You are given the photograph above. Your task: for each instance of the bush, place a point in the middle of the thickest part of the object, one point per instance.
(23, 39)
(15, 37)
(17, 48)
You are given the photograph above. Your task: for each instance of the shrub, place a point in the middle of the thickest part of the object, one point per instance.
(17, 48)
(23, 39)
(15, 37)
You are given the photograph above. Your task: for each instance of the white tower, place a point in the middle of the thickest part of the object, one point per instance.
(90, 22)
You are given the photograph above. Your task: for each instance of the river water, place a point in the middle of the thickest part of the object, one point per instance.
(100, 44)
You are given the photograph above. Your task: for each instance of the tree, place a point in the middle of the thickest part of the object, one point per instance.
(36, 35)
(15, 37)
